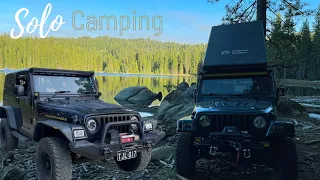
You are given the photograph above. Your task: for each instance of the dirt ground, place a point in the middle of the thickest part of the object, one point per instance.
(309, 164)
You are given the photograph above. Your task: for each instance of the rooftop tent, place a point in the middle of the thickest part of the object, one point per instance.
(236, 46)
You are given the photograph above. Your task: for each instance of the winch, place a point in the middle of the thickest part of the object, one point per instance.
(125, 138)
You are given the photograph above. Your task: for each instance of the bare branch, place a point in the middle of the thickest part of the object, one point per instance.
(245, 11)
(236, 7)
(251, 12)
(295, 8)
(276, 14)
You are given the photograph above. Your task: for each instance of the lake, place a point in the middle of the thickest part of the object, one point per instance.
(111, 84)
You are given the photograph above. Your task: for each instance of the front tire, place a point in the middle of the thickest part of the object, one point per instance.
(53, 159)
(186, 155)
(8, 141)
(285, 160)
(137, 164)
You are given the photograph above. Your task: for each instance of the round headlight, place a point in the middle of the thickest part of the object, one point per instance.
(92, 125)
(259, 122)
(134, 118)
(204, 121)
(134, 127)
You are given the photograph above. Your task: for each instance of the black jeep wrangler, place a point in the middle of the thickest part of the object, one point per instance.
(61, 110)
(235, 118)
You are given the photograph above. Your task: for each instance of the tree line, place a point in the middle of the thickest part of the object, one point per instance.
(101, 54)
(296, 53)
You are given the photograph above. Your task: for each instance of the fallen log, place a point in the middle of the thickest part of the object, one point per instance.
(312, 142)
(310, 110)
(162, 152)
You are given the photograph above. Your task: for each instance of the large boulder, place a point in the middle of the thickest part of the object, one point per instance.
(137, 96)
(128, 92)
(145, 95)
(177, 104)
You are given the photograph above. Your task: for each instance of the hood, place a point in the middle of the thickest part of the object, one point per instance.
(80, 108)
(239, 105)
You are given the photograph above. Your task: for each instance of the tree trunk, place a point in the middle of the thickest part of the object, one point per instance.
(284, 73)
(262, 13)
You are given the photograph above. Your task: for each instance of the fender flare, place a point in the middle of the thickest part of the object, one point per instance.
(66, 129)
(13, 114)
(281, 129)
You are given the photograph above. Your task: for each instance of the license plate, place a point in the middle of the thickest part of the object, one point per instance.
(126, 154)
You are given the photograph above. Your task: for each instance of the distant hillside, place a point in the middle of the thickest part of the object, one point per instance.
(101, 54)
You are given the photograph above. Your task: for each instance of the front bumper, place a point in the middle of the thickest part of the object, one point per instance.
(233, 145)
(102, 150)
(274, 129)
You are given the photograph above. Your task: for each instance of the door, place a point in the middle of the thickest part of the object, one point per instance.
(24, 101)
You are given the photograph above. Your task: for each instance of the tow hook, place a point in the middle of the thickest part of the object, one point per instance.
(246, 153)
(237, 146)
(107, 152)
(213, 150)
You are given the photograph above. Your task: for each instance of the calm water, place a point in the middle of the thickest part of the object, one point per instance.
(111, 84)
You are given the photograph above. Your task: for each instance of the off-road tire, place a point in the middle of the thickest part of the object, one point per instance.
(8, 141)
(285, 160)
(137, 164)
(57, 152)
(186, 155)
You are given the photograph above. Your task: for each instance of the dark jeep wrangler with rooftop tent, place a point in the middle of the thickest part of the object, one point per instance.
(61, 110)
(235, 119)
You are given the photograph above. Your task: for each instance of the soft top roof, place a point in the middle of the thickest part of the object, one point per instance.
(35, 70)
(236, 44)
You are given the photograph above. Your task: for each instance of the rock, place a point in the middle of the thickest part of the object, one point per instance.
(163, 108)
(177, 104)
(128, 92)
(145, 96)
(139, 96)
(183, 86)
(12, 172)
(162, 152)
(287, 107)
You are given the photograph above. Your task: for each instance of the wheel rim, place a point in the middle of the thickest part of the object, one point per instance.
(3, 137)
(45, 164)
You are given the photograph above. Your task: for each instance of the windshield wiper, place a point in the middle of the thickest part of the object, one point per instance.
(88, 92)
(216, 96)
(56, 93)
(249, 95)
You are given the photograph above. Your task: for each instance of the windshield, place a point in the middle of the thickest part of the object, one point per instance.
(239, 86)
(51, 84)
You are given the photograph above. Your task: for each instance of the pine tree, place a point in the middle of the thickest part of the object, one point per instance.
(305, 47)
(316, 44)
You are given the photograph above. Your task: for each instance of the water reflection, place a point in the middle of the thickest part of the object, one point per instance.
(110, 85)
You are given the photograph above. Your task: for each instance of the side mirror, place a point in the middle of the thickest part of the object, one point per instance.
(99, 94)
(19, 90)
(280, 91)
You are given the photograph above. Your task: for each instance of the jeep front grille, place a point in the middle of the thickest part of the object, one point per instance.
(242, 121)
(115, 118)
